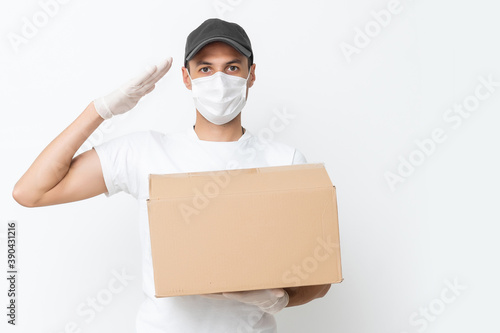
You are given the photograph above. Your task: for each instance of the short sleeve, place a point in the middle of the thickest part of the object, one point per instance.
(298, 157)
(117, 164)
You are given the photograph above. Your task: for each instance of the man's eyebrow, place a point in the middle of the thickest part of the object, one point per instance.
(234, 61)
(201, 62)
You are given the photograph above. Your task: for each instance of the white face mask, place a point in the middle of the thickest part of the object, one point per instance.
(219, 97)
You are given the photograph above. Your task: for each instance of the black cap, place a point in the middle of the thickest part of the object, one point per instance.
(217, 30)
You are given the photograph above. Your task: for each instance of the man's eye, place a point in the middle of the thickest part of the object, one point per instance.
(233, 68)
(204, 70)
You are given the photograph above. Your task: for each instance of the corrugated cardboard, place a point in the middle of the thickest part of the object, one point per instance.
(245, 229)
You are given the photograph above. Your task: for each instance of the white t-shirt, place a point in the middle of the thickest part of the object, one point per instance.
(126, 163)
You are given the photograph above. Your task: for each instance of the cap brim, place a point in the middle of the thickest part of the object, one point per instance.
(231, 42)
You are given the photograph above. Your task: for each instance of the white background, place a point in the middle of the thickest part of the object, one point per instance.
(399, 247)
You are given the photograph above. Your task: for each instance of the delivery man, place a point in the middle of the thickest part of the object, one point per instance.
(219, 70)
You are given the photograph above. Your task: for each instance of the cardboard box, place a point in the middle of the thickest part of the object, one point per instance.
(245, 229)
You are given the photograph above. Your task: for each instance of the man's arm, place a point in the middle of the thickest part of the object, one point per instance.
(303, 295)
(55, 176)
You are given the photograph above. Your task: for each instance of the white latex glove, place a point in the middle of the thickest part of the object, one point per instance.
(269, 300)
(128, 95)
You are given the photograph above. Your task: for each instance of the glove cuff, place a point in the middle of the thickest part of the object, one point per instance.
(102, 108)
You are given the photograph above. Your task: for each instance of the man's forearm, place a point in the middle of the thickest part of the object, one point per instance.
(54, 161)
(305, 294)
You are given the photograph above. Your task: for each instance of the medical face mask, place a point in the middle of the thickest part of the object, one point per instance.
(219, 97)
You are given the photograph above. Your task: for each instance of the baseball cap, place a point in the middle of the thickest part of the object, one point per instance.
(217, 30)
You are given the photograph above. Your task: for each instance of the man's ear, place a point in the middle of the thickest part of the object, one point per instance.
(185, 78)
(252, 77)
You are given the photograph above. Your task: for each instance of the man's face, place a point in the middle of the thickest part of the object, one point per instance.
(218, 57)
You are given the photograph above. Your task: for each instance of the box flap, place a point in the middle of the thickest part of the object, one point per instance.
(220, 182)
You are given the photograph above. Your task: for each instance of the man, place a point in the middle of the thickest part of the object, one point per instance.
(219, 69)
